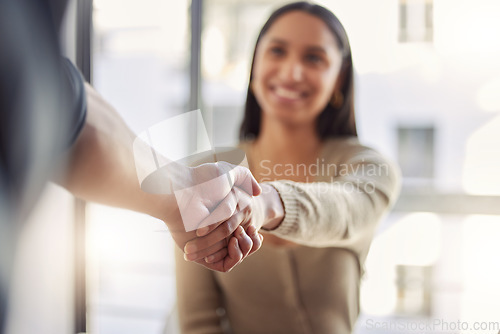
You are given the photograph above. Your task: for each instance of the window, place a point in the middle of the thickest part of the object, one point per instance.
(416, 152)
(415, 20)
(140, 65)
(414, 293)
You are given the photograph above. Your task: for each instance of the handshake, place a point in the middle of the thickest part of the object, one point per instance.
(210, 210)
(213, 215)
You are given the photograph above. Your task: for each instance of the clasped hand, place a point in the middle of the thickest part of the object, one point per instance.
(208, 218)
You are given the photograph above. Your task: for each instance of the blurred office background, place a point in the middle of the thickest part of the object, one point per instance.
(428, 96)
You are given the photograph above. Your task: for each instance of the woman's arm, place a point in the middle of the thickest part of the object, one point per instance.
(342, 212)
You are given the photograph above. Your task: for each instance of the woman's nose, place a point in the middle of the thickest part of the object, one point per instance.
(292, 70)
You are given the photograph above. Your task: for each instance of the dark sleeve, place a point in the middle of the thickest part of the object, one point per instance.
(77, 102)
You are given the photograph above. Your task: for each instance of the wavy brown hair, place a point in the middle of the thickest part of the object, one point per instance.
(333, 121)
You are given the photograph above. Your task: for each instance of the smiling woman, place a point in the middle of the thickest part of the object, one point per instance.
(310, 67)
(295, 69)
(323, 192)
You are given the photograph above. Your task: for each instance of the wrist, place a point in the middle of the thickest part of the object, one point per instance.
(274, 210)
(164, 207)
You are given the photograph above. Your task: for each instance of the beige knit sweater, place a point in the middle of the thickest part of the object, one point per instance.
(312, 287)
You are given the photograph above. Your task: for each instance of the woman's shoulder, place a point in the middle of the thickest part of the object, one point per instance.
(350, 149)
(345, 146)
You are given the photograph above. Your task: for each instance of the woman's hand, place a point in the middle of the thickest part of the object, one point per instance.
(265, 211)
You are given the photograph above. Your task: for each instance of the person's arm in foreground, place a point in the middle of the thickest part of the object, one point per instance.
(101, 169)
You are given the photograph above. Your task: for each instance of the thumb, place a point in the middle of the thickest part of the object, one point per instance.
(244, 180)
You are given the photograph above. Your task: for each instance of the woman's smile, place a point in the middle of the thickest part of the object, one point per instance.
(288, 95)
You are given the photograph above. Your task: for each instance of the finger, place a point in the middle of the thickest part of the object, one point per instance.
(216, 266)
(205, 252)
(257, 243)
(222, 231)
(244, 241)
(244, 179)
(234, 255)
(256, 238)
(221, 213)
(216, 257)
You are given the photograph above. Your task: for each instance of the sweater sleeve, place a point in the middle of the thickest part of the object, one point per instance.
(342, 210)
(198, 298)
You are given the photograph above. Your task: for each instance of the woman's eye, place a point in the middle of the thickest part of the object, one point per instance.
(276, 50)
(312, 58)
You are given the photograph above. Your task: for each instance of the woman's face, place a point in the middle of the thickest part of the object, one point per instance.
(296, 66)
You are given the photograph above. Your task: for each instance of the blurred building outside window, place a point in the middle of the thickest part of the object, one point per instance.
(416, 155)
(415, 21)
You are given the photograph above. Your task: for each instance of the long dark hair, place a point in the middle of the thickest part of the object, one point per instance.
(336, 120)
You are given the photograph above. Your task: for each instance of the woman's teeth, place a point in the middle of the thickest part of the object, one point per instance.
(286, 93)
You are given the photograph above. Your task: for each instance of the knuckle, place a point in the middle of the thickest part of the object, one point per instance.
(226, 229)
(247, 209)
